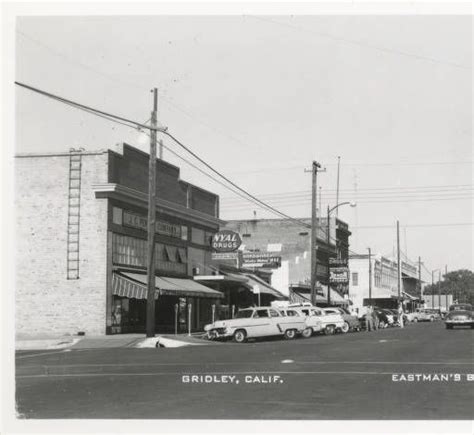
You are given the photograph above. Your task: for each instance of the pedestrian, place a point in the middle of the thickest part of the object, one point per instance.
(400, 315)
(369, 319)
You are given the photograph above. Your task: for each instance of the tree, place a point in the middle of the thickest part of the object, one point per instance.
(459, 283)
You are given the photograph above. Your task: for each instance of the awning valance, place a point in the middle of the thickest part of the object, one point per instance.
(134, 286)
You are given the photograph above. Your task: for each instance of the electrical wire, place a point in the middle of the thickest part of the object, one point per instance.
(130, 123)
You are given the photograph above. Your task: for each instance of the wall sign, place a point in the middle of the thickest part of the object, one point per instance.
(226, 241)
(163, 228)
(261, 259)
(339, 275)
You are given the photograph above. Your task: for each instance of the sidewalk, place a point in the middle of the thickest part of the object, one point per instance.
(45, 342)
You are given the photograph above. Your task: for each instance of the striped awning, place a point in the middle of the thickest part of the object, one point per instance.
(134, 286)
(125, 287)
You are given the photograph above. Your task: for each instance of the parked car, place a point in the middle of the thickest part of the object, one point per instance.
(298, 319)
(459, 315)
(320, 321)
(351, 322)
(390, 318)
(256, 322)
(426, 315)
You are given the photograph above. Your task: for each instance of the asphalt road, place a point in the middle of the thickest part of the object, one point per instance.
(351, 376)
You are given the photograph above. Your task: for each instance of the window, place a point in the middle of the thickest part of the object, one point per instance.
(355, 278)
(291, 313)
(274, 313)
(184, 232)
(197, 236)
(117, 215)
(261, 313)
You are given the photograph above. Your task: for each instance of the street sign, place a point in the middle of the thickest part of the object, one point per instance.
(339, 274)
(256, 289)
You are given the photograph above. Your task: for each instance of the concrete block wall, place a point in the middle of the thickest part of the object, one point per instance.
(47, 303)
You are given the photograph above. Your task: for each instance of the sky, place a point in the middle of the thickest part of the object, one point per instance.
(260, 97)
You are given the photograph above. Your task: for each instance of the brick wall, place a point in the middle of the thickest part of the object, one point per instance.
(46, 302)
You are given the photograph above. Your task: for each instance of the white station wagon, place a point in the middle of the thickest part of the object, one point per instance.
(256, 322)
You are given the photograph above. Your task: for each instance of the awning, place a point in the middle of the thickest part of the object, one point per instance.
(134, 286)
(253, 280)
(409, 296)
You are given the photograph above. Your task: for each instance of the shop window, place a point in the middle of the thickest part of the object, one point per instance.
(355, 278)
(171, 252)
(182, 257)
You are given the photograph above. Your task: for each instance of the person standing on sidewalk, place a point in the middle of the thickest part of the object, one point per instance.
(400, 315)
(369, 318)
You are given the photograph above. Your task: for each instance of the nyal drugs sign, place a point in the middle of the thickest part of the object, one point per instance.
(226, 241)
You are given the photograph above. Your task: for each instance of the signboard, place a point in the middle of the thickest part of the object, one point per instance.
(338, 262)
(256, 289)
(224, 255)
(339, 274)
(163, 228)
(226, 241)
(261, 259)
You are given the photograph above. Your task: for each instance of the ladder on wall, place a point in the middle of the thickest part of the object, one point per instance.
(73, 216)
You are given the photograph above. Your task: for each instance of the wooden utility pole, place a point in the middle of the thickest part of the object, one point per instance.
(439, 289)
(314, 228)
(419, 279)
(399, 264)
(370, 276)
(150, 305)
(445, 286)
(337, 188)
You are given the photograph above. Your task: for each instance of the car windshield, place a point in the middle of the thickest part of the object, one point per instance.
(244, 314)
(465, 307)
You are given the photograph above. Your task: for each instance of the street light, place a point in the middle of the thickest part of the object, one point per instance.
(330, 210)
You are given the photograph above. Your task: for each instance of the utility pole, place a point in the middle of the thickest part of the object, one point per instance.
(419, 279)
(439, 289)
(314, 228)
(337, 188)
(150, 301)
(370, 276)
(445, 286)
(432, 288)
(399, 264)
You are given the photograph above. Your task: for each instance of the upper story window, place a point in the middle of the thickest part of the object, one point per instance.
(355, 278)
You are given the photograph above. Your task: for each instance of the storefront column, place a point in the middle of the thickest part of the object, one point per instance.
(108, 285)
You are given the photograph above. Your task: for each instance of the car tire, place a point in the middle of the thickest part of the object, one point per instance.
(382, 325)
(431, 319)
(329, 330)
(308, 332)
(240, 336)
(415, 320)
(290, 334)
(345, 328)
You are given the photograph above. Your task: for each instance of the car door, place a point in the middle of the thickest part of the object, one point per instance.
(277, 322)
(263, 325)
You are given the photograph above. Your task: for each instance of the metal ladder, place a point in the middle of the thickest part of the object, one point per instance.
(73, 218)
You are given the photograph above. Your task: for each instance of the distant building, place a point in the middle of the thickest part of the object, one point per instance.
(384, 292)
(283, 247)
(81, 258)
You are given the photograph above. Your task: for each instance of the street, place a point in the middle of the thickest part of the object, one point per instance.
(346, 376)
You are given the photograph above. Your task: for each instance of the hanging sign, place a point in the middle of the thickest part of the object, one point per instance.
(226, 241)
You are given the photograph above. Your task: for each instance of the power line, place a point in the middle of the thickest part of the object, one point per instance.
(387, 188)
(127, 122)
(362, 44)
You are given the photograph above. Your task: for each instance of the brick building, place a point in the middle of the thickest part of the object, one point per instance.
(81, 243)
(290, 242)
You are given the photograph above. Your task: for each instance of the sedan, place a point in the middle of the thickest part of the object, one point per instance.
(459, 315)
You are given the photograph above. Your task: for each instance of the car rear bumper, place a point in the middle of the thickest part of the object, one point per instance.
(459, 322)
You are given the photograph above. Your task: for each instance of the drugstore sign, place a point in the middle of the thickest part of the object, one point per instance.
(226, 241)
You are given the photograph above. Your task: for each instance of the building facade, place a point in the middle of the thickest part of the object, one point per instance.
(377, 281)
(81, 252)
(283, 247)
